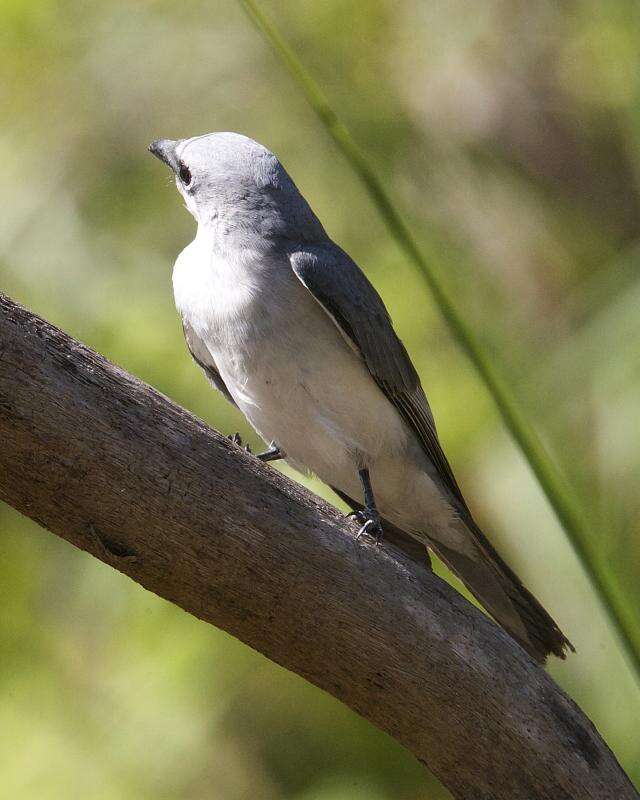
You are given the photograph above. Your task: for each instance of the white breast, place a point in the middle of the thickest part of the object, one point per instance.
(210, 290)
(241, 309)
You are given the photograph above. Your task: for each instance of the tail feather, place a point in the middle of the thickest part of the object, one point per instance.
(494, 584)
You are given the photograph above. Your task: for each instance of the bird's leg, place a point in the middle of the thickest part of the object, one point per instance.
(368, 516)
(273, 453)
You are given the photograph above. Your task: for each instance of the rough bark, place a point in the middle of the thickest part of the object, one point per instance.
(104, 461)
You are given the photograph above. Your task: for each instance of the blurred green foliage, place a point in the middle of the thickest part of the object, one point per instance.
(512, 136)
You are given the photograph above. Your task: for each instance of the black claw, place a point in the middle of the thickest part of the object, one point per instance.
(272, 454)
(236, 439)
(370, 523)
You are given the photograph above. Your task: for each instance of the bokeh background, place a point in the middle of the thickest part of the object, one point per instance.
(509, 132)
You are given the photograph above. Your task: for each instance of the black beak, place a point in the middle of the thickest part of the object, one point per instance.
(165, 150)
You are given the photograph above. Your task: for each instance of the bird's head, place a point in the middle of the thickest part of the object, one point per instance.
(232, 182)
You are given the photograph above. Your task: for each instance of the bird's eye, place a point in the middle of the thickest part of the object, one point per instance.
(185, 174)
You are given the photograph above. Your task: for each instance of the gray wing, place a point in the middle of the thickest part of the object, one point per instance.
(345, 293)
(203, 358)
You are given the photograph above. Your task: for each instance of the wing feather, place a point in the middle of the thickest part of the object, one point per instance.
(204, 359)
(345, 293)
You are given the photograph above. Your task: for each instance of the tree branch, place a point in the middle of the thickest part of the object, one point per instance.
(115, 468)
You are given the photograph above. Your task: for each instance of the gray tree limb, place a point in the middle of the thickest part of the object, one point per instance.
(104, 461)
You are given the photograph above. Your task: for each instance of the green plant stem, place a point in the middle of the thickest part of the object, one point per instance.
(558, 493)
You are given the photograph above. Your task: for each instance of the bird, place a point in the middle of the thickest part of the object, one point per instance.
(289, 328)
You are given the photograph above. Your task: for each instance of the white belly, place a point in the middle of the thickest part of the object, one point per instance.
(301, 385)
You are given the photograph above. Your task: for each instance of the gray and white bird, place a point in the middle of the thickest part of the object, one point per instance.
(289, 328)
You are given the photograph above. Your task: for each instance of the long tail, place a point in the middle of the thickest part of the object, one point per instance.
(491, 581)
